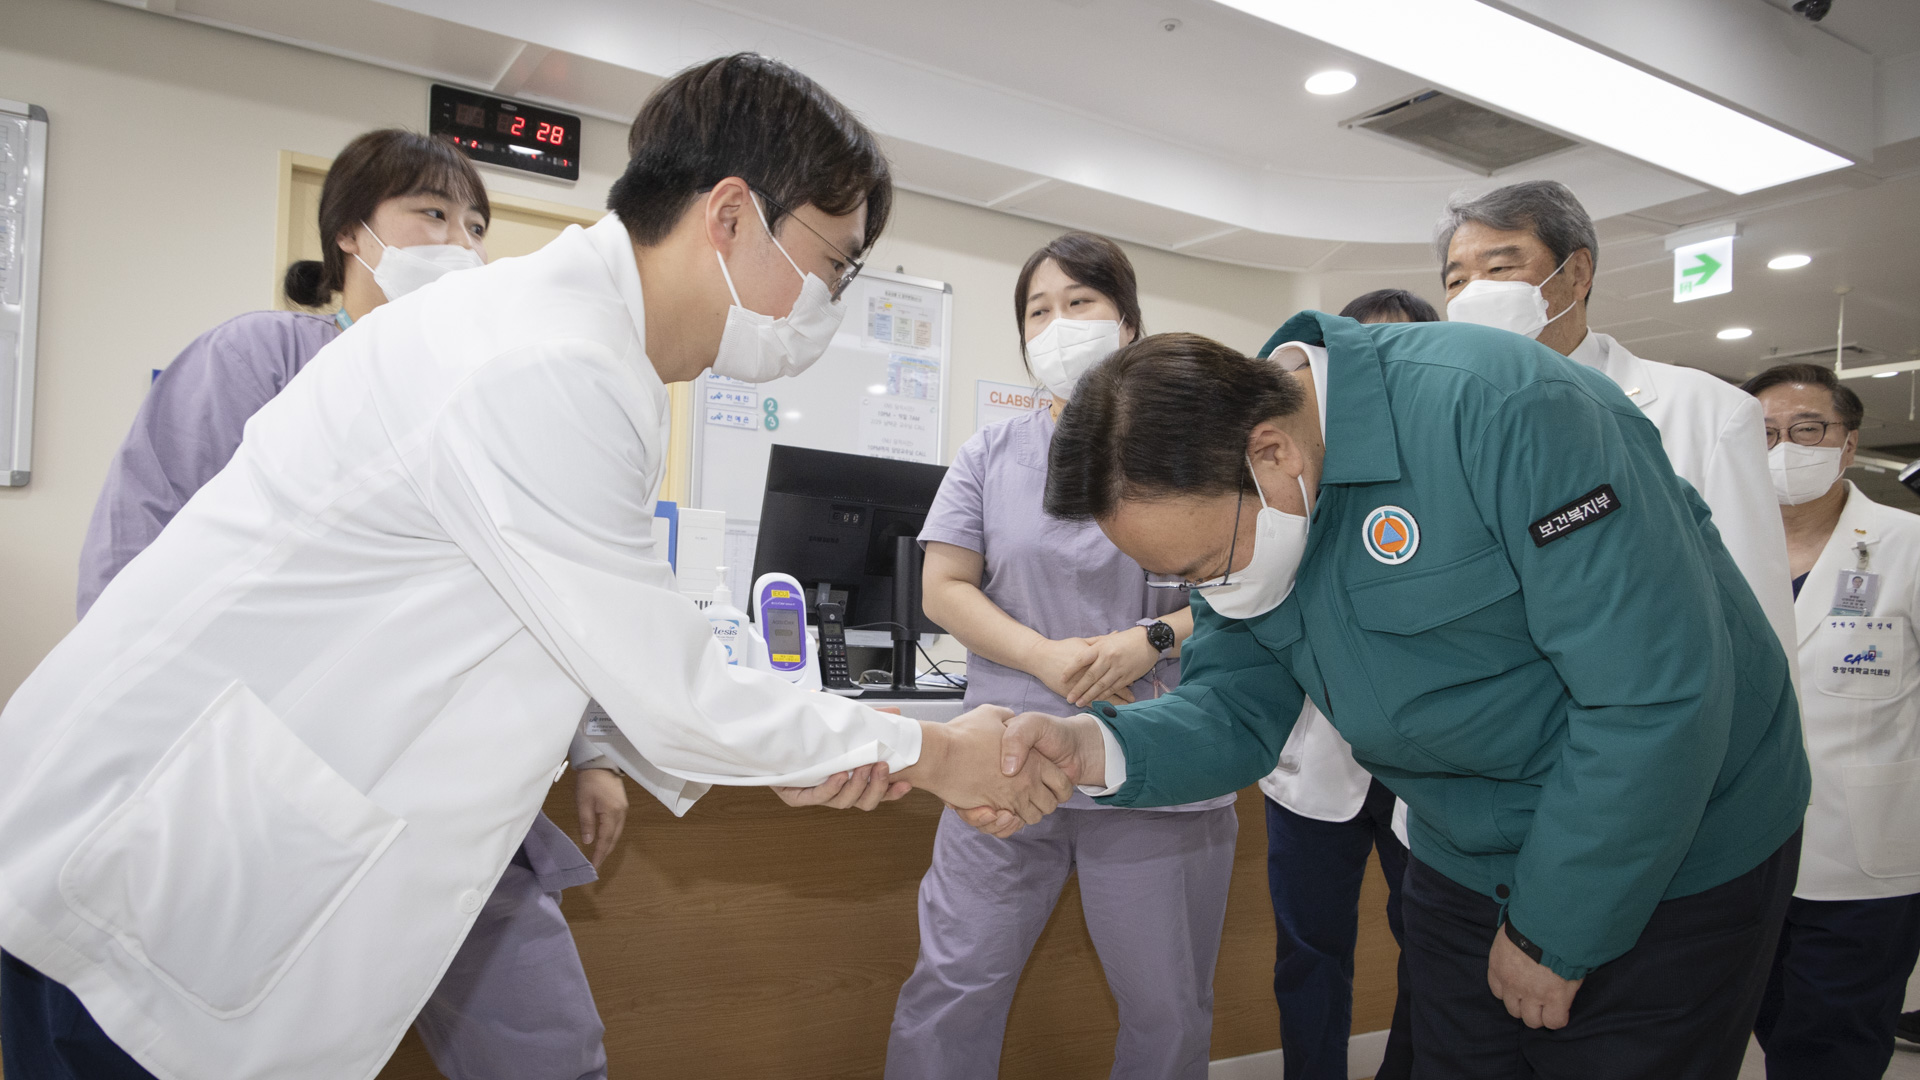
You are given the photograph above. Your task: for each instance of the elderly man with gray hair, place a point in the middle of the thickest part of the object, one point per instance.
(1522, 258)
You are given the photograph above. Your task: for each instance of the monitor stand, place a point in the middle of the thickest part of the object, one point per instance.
(906, 590)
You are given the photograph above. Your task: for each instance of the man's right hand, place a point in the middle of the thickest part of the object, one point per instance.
(960, 763)
(1072, 743)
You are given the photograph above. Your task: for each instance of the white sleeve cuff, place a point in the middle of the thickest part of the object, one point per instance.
(1116, 763)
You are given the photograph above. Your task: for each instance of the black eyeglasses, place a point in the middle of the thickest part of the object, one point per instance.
(853, 265)
(1161, 582)
(1804, 433)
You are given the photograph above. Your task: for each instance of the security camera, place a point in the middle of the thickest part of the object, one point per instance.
(1814, 10)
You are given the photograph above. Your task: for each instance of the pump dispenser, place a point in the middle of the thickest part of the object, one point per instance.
(732, 629)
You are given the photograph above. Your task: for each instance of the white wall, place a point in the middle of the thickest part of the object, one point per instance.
(161, 211)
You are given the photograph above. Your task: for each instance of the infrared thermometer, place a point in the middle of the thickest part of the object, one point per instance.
(780, 607)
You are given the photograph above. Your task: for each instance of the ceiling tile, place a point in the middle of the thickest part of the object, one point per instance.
(933, 171)
(1111, 215)
(1263, 250)
(369, 30)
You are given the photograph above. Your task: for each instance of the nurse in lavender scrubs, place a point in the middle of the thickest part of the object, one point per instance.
(398, 210)
(1054, 617)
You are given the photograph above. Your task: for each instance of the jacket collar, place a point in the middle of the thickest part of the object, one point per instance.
(1816, 595)
(611, 242)
(1361, 445)
(1630, 373)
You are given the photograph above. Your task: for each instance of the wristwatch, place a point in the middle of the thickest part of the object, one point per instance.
(1534, 952)
(1159, 634)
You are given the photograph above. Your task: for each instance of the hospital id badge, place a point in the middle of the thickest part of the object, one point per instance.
(1856, 593)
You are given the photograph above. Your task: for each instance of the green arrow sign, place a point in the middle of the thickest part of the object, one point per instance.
(1703, 270)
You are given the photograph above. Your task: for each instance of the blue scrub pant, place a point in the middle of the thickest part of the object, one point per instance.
(46, 1034)
(1676, 1006)
(1839, 977)
(1314, 871)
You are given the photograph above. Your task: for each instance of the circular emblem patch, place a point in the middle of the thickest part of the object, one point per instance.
(1391, 535)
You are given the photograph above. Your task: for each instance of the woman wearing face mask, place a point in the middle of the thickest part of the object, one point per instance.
(1053, 616)
(1853, 925)
(400, 211)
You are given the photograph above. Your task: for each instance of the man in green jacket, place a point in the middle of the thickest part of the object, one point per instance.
(1473, 555)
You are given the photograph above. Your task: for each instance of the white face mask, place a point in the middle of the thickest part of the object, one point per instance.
(406, 269)
(1505, 305)
(1279, 543)
(1068, 349)
(760, 348)
(1802, 474)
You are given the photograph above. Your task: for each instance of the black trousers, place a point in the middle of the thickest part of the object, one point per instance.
(1839, 977)
(1676, 1006)
(1314, 873)
(46, 1034)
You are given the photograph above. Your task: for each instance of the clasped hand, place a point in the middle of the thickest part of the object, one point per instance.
(962, 762)
(1104, 668)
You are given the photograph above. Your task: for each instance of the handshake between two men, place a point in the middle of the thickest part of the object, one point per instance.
(1001, 772)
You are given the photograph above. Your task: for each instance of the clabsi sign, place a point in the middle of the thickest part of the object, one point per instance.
(1703, 269)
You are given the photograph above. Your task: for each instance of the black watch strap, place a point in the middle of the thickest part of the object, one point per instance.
(1534, 952)
(1161, 636)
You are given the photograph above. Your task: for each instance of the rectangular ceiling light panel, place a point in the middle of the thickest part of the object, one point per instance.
(1524, 69)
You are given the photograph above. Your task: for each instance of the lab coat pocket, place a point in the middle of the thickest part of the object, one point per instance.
(1860, 656)
(1883, 806)
(228, 858)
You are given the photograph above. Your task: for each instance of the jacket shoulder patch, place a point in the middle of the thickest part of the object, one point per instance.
(1577, 514)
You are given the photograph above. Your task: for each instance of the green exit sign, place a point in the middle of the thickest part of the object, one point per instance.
(1703, 269)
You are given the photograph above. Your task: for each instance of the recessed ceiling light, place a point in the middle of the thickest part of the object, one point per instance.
(1620, 107)
(1789, 262)
(1886, 375)
(1734, 333)
(1331, 82)
(877, 388)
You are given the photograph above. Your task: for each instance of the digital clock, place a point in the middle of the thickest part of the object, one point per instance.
(507, 133)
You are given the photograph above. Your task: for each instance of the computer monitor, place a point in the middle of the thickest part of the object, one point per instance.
(832, 519)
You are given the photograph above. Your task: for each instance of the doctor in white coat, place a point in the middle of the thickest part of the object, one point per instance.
(1522, 258)
(1853, 927)
(251, 805)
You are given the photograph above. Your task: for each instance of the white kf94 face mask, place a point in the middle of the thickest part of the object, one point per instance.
(1515, 306)
(1279, 543)
(1068, 349)
(408, 269)
(1802, 474)
(759, 348)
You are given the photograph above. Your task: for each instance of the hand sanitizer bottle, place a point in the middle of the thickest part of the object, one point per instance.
(730, 626)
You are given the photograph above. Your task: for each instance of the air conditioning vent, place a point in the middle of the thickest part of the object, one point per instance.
(1459, 132)
(1853, 355)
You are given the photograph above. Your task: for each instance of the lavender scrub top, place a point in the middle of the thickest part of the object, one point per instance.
(1061, 579)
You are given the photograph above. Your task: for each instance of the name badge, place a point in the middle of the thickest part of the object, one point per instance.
(1856, 593)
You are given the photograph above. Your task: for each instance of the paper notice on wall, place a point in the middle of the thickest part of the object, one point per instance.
(997, 401)
(905, 429)
(914, 377)
(902, 318)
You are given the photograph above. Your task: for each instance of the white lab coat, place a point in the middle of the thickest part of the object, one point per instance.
(251, 805)
(1715, 436)
(1859, 677)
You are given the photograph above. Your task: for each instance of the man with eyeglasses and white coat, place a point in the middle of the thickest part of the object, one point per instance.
(1852, 931)
(1522, 258)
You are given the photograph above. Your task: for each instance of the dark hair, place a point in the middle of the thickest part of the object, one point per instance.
(1090, 260)
(1381, 304)
(1845, 401)
(1546, 208)
(1167, 415)
(386, 164)
(762, 121)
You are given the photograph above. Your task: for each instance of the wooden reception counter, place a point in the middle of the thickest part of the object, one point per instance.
(751, 939)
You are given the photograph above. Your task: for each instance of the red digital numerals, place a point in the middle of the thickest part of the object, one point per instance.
(550, 133)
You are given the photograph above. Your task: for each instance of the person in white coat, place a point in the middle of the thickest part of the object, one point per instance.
(252, 804)
(1853, 927)
(1325, 815)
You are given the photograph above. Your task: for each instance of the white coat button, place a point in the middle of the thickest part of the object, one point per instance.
(470, 901)
(1288, 763)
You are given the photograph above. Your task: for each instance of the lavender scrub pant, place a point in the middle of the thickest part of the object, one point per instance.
(514, 1004)
(1153, 886)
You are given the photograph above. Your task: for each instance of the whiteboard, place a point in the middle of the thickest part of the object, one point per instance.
(880, 389)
